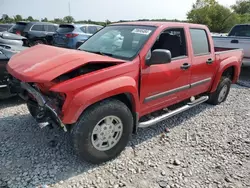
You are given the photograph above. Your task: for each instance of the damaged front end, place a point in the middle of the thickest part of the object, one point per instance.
(45, 109)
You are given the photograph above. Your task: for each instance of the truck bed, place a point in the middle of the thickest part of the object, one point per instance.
(222, 53)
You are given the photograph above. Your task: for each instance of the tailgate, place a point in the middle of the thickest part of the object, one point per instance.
(233, 42)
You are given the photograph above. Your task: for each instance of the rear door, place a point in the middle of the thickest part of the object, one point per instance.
(50, 31)
(37, 31)
(203, 63)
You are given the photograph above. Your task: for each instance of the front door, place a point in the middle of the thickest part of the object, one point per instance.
(165, 84)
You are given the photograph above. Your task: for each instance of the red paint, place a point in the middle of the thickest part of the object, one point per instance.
(42, 64)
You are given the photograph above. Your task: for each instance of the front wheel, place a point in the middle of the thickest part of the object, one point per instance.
(35, 112)
(103, 131)
(221, 93)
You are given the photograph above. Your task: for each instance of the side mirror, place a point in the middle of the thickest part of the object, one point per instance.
(159, 56)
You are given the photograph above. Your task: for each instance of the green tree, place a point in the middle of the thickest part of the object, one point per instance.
(68, 19)
(44, 20)
(242, 7)
(18, 18)
(30, 18)
(58, 20)
(209, 12)
(6, 19)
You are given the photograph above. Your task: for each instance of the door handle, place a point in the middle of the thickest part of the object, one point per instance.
(185, 66)
(235, 41)
(210, 61)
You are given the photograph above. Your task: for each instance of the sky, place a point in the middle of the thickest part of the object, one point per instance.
(101, 10)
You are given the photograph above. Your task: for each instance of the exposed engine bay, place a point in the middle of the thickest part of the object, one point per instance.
(88, 68)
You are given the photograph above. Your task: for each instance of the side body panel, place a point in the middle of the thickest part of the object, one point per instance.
(85, 91)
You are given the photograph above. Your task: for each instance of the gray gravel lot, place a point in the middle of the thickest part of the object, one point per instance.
(206, 146)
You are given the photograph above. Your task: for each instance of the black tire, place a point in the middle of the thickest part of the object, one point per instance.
(34, 111)
(38, 41)
(82, 131)
(214, 98)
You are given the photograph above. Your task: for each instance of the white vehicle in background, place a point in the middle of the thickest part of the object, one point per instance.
(219, 34)
(238, 37)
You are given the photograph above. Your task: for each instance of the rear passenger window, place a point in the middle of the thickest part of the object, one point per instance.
(83, 29)
(37, 28)
(199, 42)
(92, 29)
(51, 28)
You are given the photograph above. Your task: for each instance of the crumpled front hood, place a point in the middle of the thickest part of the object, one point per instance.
(43, 63)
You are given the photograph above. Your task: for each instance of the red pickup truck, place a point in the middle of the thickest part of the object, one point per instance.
(120, 78)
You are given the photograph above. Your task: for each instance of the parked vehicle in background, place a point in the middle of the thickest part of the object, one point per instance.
(73, 35)
(238, 37)
(7, 38)
(219, 34)
(35, 32)
(6, 52)
(5, 27)
(106, 89)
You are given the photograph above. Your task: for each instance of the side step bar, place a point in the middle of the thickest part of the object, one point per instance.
(173, 113)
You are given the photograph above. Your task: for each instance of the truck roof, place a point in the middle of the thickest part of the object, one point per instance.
(158, 24)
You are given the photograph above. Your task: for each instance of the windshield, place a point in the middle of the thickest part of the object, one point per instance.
(123, 41)
(240, 31)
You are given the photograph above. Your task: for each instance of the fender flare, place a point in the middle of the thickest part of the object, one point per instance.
(98, 92)
(225, 64)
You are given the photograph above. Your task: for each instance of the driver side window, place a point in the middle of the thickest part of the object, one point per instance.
(173, 40)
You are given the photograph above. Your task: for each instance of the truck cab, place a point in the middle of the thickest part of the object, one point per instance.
(126, 76)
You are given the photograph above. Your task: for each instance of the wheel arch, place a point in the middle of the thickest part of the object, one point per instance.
(227, 69)
(123, 89)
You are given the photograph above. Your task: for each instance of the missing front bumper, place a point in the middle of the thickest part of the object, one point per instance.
(40, 101)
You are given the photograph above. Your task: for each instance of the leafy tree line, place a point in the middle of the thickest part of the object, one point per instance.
(208, 12)
(218, 17)
(67, 19)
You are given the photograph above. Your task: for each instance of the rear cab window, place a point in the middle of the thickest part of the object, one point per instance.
(64, 28)
(200, 42)
(240, 31)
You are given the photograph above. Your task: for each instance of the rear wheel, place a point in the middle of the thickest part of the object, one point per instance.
(103, 131)
(221, 93)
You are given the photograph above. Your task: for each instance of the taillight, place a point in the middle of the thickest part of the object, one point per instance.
(71, 35)
(18, 32)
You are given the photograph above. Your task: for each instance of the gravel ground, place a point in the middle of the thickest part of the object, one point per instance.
(206, 146)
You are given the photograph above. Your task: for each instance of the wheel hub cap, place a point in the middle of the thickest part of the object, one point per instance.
(107, 133)
(223, 93)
